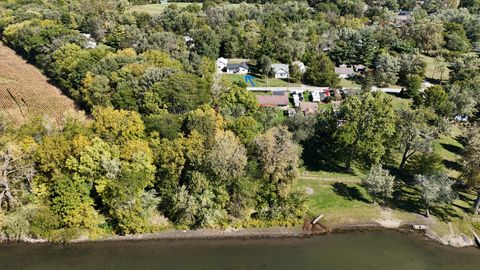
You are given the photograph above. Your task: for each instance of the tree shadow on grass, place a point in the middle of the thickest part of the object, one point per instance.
(407, 200)
(452, 148)
(349, 193)
(314, 162)
(452, 165)
(464, 209)
(444, 212)
(466, 199)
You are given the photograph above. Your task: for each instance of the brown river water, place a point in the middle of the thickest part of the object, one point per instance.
(354, 250)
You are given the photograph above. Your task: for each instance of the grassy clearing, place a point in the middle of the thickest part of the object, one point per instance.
(259, 82)
(450, 148)
(400, 103)
(25, 93)
(348, 84)
(337, 200)
(342, 199)
(345, 202)
(436, 70)
(156, 9)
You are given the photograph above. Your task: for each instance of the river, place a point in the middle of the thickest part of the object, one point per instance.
(354, 250)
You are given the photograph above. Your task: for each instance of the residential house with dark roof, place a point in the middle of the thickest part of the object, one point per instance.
(241, 68)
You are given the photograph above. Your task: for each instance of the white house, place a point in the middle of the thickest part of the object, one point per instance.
(301, 66)
(221, 63)
(280, 70)
(241, 68)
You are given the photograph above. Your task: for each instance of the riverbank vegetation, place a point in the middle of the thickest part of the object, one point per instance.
(164, 141)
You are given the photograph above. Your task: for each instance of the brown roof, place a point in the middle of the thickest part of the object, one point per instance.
(272, 101)
(309, 107)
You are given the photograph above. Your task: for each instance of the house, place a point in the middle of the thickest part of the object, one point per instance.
(309, 107)
(301, 66)
(221, 63)
(272, 101)
(241, 68)
(344, 72)
(280, 71)
(359, 68)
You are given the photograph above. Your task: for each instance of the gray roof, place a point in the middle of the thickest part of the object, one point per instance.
(231, 66)
(278, 66)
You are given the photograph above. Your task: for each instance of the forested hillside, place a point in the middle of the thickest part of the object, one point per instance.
(164, 140)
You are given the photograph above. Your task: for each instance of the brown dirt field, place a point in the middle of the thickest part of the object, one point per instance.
(25, 92)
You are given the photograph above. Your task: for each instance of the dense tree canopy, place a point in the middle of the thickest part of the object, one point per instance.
(166, 141)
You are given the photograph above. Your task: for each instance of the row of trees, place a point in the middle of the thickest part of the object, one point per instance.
(107, 174)
(282, 31)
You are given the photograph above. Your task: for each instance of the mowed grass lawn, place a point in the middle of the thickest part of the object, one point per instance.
(434, 69)
(342, 199)
(348, 84)
(339, 202)
(156, 9)
(259, 82)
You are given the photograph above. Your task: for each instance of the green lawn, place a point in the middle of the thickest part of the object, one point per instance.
(337, 200)
(434, 69)
(156, 9)
(342, 200)
(348, 84)
(400, 103)
(449, 148)
(259, 82)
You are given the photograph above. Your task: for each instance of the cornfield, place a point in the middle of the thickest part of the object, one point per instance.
(25, 92)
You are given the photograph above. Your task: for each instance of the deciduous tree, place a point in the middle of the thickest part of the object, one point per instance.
(379, 183)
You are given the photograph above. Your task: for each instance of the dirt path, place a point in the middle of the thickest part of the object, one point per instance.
(25, 92)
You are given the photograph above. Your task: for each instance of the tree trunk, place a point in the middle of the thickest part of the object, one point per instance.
(404, 158)
(348, 164)
(427, 212)
(402, 163)
(476, 205)
(6, 193)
